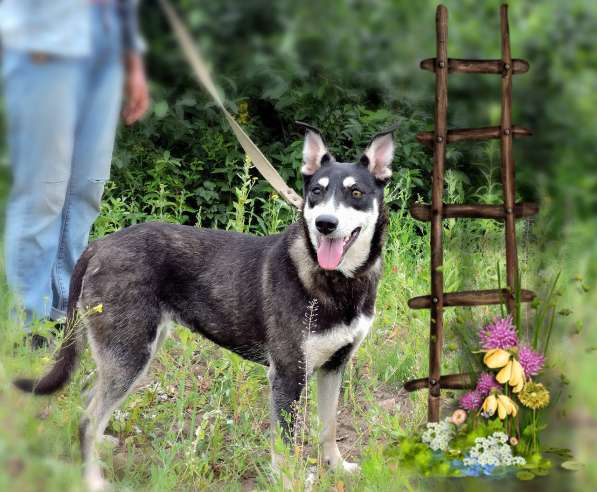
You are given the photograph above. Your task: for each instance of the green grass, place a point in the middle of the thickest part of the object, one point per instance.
(201, 421)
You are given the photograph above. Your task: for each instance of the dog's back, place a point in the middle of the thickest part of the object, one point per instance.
(205, 279)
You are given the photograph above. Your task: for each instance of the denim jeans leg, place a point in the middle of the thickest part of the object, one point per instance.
(41, 116)
(94, 142)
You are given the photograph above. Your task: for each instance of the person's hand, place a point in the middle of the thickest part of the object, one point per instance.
(136, 92)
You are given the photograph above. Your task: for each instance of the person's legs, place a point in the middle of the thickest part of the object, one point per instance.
(94, 140)
(41, 114)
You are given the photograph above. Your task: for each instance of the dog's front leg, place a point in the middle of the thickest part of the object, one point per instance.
(286, 387)
(328, 392)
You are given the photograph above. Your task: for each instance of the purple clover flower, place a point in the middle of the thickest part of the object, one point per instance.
(471, 401)
(486, 383)
(531, 361)
(499, 334)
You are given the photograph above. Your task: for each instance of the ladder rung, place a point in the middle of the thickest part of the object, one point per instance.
(484, 133)
(423, 212)
(470, 298)
(450, 381)
(477, 66)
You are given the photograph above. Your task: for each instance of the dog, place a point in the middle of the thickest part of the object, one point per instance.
(247, 294)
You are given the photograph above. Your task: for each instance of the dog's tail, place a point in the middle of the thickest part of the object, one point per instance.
(68, 355)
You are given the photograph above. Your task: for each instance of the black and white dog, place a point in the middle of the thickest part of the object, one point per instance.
(248, 294)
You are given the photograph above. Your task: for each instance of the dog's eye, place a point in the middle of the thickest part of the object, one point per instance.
(316, 191)
(357, 193)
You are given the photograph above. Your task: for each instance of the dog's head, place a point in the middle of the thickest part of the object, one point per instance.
(343, 201)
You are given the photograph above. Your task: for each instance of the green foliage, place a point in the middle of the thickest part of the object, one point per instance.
(199, 177)
(411, 453)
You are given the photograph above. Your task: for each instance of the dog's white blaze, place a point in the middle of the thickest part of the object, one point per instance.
(324, 182)
(319, 347)
(348, 182)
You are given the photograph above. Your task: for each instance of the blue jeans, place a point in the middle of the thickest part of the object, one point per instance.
(62, 114)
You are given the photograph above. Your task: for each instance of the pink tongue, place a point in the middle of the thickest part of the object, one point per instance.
(329, 252)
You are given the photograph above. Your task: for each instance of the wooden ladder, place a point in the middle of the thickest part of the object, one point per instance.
(509, 211)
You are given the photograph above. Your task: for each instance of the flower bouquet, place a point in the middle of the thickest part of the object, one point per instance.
(494, 432)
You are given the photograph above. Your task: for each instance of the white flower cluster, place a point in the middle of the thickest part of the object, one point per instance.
(438, 435)
(494, 451)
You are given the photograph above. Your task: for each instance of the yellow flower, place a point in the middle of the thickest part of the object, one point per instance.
(517, 378)
(503, 376)
(505, 407)
(495, 358)
(534, 395)
(98, 309)
(243, 112)
(513, 374)
(490, 404)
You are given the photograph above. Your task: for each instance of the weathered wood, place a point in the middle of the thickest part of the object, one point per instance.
(482, 133)
(437, 188)
(437, 211)
(508, 161)
(423, 212)
(470, 298)
(456, 65)
(449, 381)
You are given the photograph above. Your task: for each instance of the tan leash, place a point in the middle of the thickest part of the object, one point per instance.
(199, 67)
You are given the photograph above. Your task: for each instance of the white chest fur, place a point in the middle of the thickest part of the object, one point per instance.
(319, 347)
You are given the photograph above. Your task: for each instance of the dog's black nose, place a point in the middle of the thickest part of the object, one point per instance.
(326, 223)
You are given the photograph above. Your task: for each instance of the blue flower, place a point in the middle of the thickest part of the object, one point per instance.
(472, 471)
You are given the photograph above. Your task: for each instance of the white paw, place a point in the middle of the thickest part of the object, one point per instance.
(349, 467)
(97, 484)
(339, 464)
(110, 441)
(94, 480)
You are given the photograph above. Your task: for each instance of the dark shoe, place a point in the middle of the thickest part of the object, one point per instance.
(58, 327)
(38, 342)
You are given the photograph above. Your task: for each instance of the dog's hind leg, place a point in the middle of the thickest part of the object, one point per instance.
(110, 391)
(328, 392)
(121, 363)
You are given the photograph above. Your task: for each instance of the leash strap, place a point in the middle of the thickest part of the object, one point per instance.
(199, 67)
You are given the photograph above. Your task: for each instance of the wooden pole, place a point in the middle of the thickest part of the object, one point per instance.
(449, 381)
(508, 162)
(484, 133)
(470, 298)
(437, 278)
(456, 65)
(422, 212)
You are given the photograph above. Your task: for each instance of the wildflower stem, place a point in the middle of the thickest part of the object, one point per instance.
(518, 305)
(543, 311)
(499, 279)
(549, 330)
(534, 430)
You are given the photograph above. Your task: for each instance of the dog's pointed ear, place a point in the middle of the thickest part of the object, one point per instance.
(379, 155)
(315, 152)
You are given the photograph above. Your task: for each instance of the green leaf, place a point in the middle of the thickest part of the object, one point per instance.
(525, 475)
(572, 465)
(160, 109)
(563, 452)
